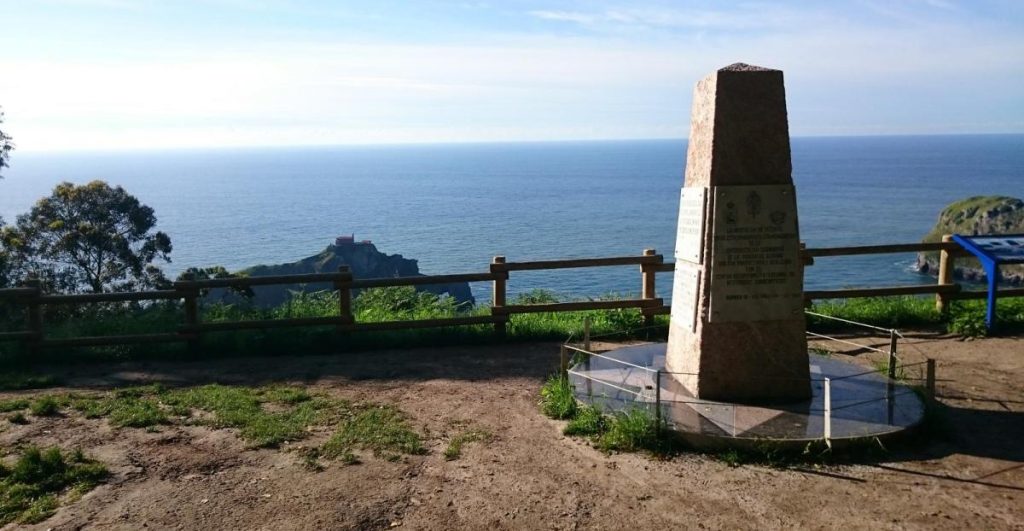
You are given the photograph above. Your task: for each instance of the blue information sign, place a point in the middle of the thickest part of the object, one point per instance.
(993, 251)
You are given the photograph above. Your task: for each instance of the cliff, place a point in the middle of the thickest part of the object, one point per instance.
(364, 260)
(976, 216)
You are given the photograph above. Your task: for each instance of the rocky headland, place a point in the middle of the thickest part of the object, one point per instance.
(975, 216)
(364, 260)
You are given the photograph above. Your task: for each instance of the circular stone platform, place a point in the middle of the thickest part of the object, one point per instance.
(864, 403)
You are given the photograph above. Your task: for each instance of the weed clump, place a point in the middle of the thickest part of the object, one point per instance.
(557, 399)
(383, 429)
(454, 449)
(630, 431)
(45, 406)
(29, 489)
(589, 421)
(13, 404)
(243, 408)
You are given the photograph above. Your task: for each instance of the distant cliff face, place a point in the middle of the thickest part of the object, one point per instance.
(363, 259)
(976, 216)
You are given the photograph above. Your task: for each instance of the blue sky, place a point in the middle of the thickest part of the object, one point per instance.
(112, 74)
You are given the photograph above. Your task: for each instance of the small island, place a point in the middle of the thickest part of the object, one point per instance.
(979, 215)
(362, 257)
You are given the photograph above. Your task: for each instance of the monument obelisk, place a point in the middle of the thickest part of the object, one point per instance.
(737, 330)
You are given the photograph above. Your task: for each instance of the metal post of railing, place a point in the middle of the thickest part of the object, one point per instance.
(929, 381)
(564, 361)
(657, 401)
(827, 406)
(586, 334)
(893, 334)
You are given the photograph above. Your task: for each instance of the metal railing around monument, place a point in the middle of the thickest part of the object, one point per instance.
(896, 369)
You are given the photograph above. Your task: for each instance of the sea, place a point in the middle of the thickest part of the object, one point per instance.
(453, 207)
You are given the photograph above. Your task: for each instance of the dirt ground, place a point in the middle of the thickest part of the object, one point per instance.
(529, 476)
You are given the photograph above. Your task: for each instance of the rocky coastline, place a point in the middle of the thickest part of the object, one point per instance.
(979, 215)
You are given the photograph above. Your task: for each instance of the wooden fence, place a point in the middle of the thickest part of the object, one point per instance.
(650, 263)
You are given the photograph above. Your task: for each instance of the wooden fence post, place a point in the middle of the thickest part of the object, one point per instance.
(647, 289)
(946, 264)
(190, 294)
(35, 317)
(344, 286)
(498, 293)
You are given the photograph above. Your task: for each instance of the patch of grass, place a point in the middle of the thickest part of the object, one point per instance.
(630, 431)
(382, 429)
(131, 412)
(45, 406)
(286, 394)
(816, 453)
(265, 417)
(30, 488)
(882, 366)
(16, 381)
(731, 457)
(92, 407)
(968, 324)
(589, 421)
(966, 318)
(18, 418)
(888, 312)
(557, 399)
(823, 352)
(13, 404)
(454, 449)
(243, 408)
(310, 459)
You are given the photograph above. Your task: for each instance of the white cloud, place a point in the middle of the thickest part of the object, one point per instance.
(841, 77)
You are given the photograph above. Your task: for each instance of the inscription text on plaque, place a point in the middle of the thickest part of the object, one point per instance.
(756, 274)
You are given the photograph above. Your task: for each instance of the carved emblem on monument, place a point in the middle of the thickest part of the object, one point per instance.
(754, 204)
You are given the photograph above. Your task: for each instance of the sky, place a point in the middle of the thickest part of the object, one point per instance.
(131, 74)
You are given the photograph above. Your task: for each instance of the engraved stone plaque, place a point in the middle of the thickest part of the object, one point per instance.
(690, 232)
(755, 269)
(685, 287)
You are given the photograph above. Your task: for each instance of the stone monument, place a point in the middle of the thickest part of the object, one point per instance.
(737, 329)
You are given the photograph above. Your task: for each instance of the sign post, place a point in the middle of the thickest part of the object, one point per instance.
(993, 251)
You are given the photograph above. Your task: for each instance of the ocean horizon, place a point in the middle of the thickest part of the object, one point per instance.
(453, 206)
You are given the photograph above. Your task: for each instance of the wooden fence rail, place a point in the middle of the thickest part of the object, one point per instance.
(650, 263)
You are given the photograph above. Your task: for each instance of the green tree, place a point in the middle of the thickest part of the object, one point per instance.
(5, 155)
(216, 272)
(90, 238)
(6, 146)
